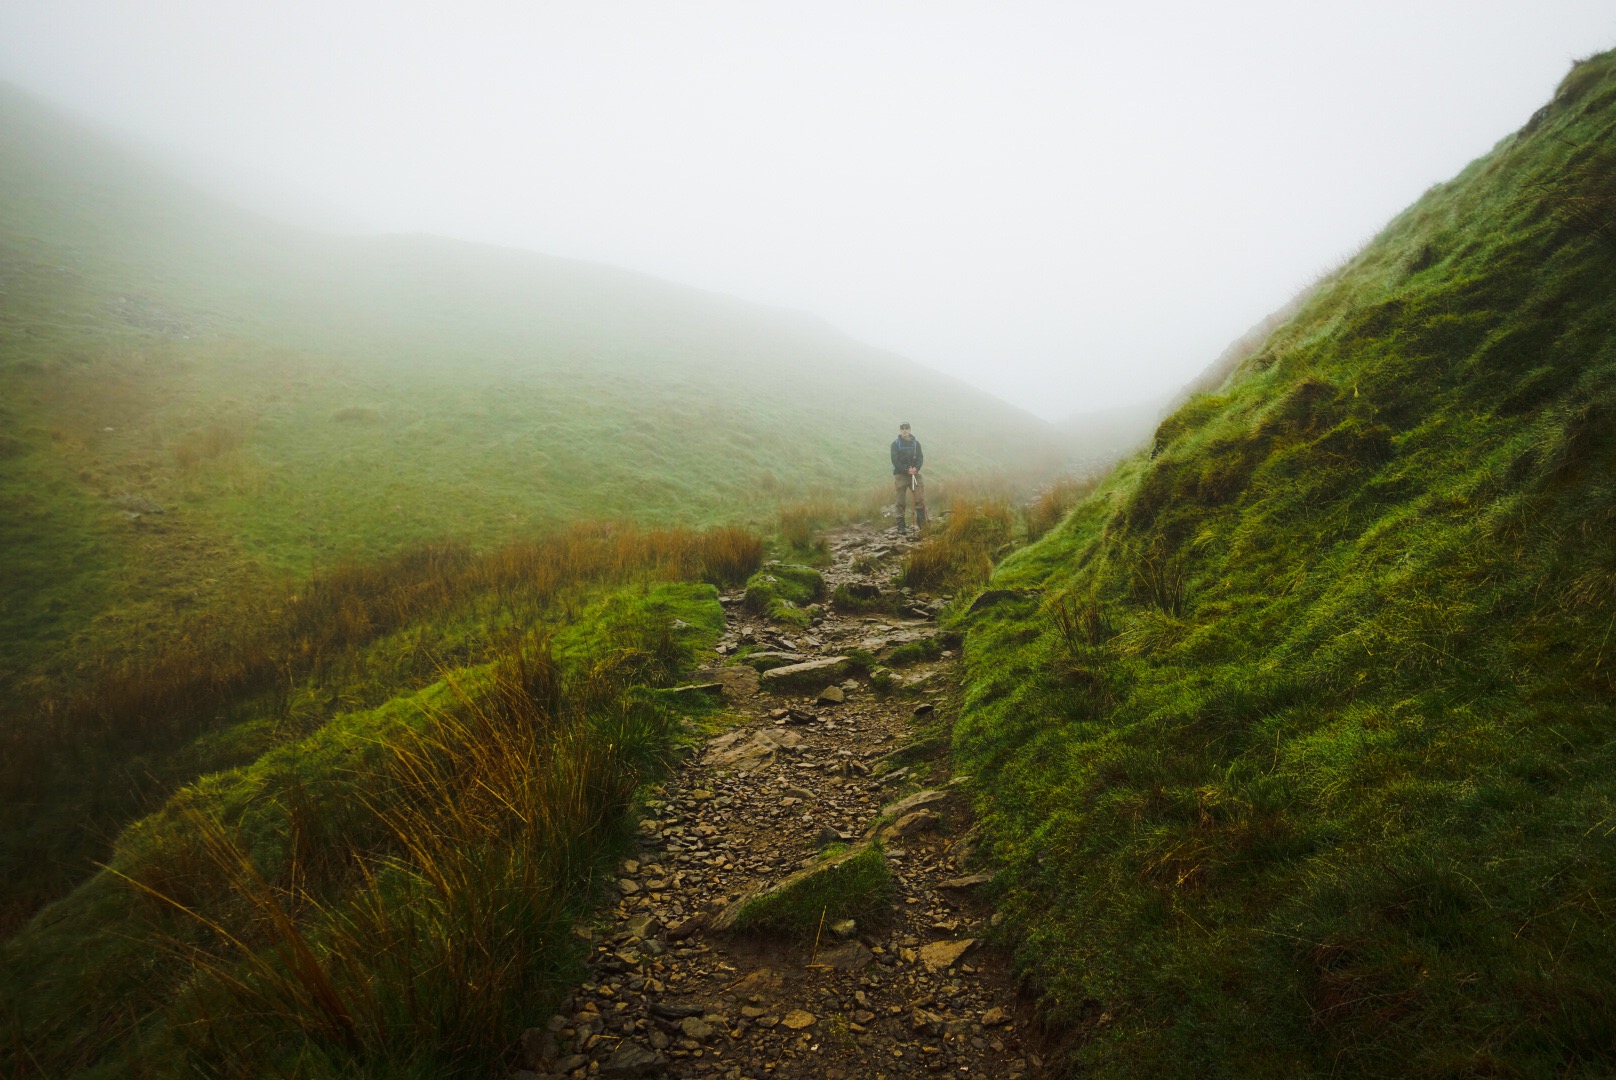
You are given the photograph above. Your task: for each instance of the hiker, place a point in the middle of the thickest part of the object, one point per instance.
(906, 461)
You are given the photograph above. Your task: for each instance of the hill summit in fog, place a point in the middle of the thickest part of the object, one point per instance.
(290, 398)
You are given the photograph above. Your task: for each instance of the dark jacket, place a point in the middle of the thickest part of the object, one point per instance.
(906, 455)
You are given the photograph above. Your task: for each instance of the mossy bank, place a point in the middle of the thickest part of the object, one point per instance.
(1298, 750)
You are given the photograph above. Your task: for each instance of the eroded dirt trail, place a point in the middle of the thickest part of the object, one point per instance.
(915, 993)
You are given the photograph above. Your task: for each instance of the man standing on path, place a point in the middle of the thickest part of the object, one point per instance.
(906, 461)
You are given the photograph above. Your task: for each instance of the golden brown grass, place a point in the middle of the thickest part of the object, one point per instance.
(1050, 507)
(802, 523)
(271, 639)
(962, 552)
(495, 816)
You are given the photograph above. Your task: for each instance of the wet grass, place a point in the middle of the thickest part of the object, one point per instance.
(783, 592)
(961, 553)
(237, 680)
(1296, 745)
(847, 883)
(392, 894)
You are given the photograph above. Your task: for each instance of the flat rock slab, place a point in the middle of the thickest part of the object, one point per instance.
(941, 955)
(920, 800)
(829, 868)
(853, 956)
(763, 983)
(697, 690)
(773, 658)
(970, 881)
(739, 681)
(809, 673)
(911, 823)
(746, 753)
(632, 1059)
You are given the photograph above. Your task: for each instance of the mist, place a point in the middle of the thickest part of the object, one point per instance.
(1073, 208)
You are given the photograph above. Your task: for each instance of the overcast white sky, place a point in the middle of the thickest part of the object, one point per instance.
(1073, 205)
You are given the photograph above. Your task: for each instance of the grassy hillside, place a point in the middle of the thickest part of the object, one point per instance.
(1297, 747)
(386, 882)
(290, 399)
(207, 417)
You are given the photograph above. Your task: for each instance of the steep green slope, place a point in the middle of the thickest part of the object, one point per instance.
(1298, 751)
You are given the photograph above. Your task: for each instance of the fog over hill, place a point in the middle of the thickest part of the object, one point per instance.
(289, 398)
(428, 301)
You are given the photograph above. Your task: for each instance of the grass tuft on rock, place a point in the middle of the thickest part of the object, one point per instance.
(847, 883)
(781, 591)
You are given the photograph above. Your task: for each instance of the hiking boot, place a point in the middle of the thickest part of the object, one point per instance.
(902, 528)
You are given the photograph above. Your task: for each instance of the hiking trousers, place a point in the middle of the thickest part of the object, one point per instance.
(901, 483)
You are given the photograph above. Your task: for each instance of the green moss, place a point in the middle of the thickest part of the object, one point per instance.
(847, 883)
(781, 591)
(1299, 764)
(927, 649)
(302, 811)
(848, 602)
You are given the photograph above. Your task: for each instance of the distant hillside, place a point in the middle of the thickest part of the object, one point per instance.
(1097, 440)
(1296, 742)
(289, 399)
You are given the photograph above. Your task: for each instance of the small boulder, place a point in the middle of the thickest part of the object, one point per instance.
(853, 956)
(941, 955)
(848, 884)
(831, 695)
(804, 675)
(829, 835)
(909, 824)
(970, 881)
(538, 1047)
(632, 1059)
(689, 926)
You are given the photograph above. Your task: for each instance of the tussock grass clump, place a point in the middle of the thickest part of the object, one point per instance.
(961, 553)
(1052, 505)
(495, 814)
(847, 883)
(392, 894)
(280, 635)
(780, 591)
(802, 524)
(72, 755)
(1305, 768)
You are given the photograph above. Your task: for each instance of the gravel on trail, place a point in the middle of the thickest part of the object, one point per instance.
(920, 991)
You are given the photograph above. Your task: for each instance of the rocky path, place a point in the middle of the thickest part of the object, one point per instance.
(823, 756)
